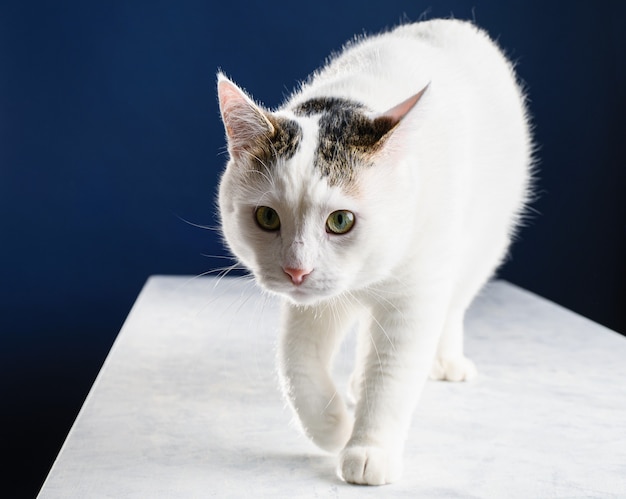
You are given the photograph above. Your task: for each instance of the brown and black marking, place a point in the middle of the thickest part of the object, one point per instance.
(347, 136)
(321, 105)
(286, 137)
(280, 141)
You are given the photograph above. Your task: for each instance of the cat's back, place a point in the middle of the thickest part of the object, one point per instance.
(377, 70)
(448, 34)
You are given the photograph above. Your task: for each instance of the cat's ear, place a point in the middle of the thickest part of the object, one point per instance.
(397, 113)
(389, 136)
(244, 121)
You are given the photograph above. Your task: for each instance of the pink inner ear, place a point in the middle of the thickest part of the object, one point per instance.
(243, 120)
(236, 108)
(228, 94)
(397, 113)
(231, 97)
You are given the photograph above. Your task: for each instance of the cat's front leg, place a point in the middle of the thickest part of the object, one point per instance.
(404, 341)
(310, 336)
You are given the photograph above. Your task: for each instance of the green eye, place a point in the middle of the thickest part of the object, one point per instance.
(267, 218)
(340, 222)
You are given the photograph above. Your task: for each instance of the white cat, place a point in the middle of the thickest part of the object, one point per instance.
(385, 190)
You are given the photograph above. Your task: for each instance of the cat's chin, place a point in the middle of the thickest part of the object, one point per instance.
(300, 295)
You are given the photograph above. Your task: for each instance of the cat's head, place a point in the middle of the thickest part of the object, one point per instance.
(314, 197)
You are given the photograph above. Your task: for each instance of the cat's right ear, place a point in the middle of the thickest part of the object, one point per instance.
(245, 122)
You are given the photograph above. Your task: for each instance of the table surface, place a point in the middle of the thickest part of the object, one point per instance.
(187, 405)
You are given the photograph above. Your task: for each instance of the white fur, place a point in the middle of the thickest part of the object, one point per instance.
(434, 218)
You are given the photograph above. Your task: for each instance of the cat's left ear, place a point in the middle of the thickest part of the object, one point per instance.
(397, 113)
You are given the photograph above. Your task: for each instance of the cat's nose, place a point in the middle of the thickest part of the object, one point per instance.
(297, 275)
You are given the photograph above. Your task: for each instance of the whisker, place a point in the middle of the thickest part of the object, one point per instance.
(214, 228)
(233, 281)
(380, 326)
(198, 276)
(224, 257)
(225, 271)
(329, 402)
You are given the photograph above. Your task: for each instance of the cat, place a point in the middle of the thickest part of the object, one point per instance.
(386, 190)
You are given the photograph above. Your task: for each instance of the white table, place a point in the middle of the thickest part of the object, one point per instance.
(187, 405)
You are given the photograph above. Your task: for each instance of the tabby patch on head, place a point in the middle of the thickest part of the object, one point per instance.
(281, 141)
(324, 105)
(347, 136)
(285, 140)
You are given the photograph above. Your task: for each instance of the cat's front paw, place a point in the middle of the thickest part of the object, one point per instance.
(453, 369)
(331, 430)
(368, 465)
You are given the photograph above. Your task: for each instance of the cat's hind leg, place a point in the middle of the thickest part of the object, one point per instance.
(310, 338)
(450, 363)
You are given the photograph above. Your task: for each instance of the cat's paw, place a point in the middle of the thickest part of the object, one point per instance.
(453, 369)
(368, 465)
(331, 430)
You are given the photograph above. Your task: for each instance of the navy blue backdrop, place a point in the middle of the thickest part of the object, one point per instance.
(110, 137)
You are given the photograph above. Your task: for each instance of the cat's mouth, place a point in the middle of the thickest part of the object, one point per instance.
(305, 293)
(300, 295)
(303, 296)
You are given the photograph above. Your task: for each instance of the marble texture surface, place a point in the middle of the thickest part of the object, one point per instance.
(187, 405)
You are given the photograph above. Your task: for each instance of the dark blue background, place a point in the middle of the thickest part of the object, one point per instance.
(110, 136)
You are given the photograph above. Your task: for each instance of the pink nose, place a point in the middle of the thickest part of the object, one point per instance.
(297, 275)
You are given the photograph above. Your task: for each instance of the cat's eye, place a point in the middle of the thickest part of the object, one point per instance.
(340, 222)
(267, 218)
